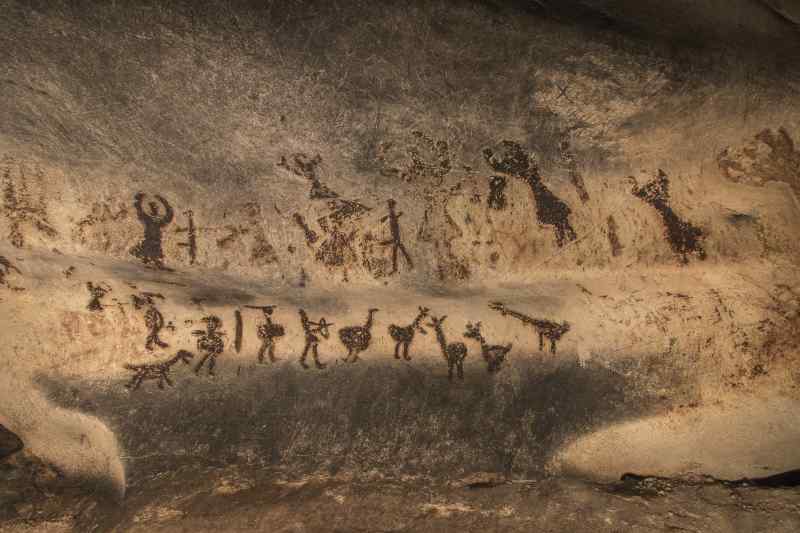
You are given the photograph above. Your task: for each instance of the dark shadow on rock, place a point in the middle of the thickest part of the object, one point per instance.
(10, 443)
(395, 418)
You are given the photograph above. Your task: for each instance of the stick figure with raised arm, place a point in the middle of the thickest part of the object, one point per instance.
(149, 250)
(395, 241)
(312, 341)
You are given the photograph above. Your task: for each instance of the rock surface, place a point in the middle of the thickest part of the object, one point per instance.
(449, 265)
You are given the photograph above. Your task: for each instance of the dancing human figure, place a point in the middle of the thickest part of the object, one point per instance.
(96, 293)
(395, 241)
(210, 343)
(268, 332)
(149, 250)
(153, 319)
(311, 330)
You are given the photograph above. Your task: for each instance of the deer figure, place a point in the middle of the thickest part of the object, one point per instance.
(493, 354)
(545, 328)
(357, 338)
(403, 336)
(159, 371)
(454, 353)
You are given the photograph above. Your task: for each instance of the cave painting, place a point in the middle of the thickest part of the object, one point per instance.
(357, 338)
(553, 331)
(575, 177)
(683, 237)
(96, 294)
(493, 354)
(307, 167)
(310, 235)
(6, 267)
(395, 241)
(210, 343)
(612, 231)
(403, 336)
(154, 219)
(239, 331)
(311, 330)
(156, 371)
(497, 193)
(337, 251)
(268, 332)
(511, 159)
(191, 236)
(429, 158)
(153, 319)
(454, 353)
(21, 209)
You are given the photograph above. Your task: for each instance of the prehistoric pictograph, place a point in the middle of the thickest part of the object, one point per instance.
(550, 210)
(357, 338)
(312, 329)
(497, 193)
(157, 371)
(310, 235)
(337, 251)
(453, 353)
(493, 354)
(191, 236)
(210, 343)
(21, 209)
(553, 331)
(96, 294)
(6, 267)
(404, 335)
(153, 319)
(613, 236)
(239, 331)
(268, 332)
(430, 159)
(395, 241)
(154, 219)
(683, 237)
(308, 167)
(568, 160)
(769, 156)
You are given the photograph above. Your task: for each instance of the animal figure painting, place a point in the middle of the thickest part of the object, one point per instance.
(157, 371)
(403, 336)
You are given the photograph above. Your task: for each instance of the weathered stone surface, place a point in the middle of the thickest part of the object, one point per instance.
(452, 252)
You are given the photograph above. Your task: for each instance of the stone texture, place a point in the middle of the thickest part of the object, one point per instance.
(201, 204)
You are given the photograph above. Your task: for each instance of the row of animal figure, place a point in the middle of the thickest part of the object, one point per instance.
(355, 338)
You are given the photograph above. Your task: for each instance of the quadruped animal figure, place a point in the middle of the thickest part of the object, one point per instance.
(453, 353)
(513, 160)
(493, 354)
(156, 371)
(210, 342)
(357, 338)
(545, 328)
(311, 330)
(403, 336)
(684, 238)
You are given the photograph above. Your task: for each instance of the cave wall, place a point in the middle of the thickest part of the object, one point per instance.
(629, 193)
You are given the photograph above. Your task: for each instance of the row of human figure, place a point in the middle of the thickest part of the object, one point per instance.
(356, 339)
